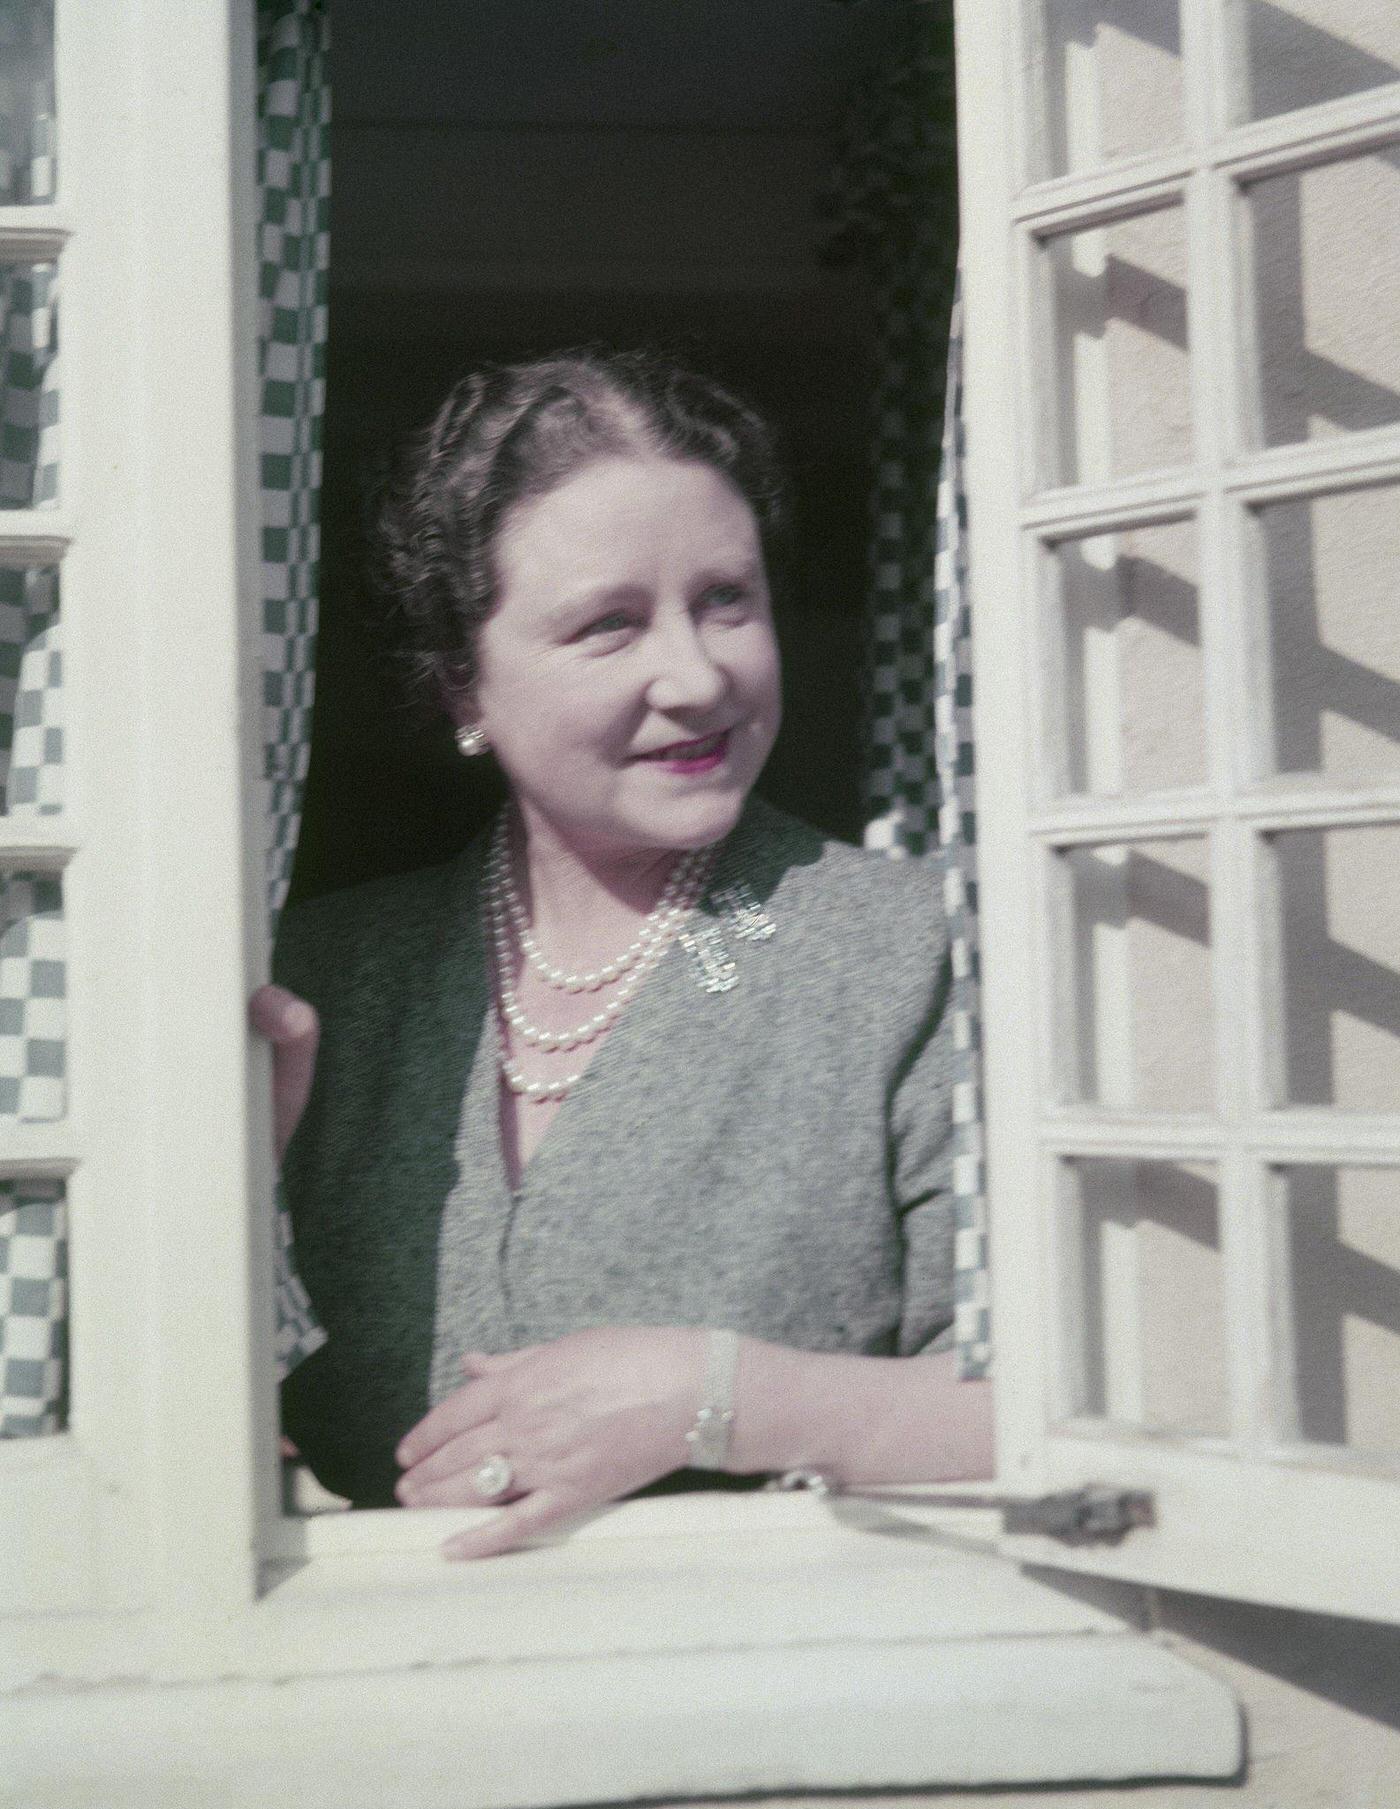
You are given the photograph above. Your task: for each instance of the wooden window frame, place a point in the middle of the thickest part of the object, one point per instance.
(153, 1546)
(1207, 1496)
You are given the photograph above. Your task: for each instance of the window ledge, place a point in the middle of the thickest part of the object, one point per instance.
(813, 1657)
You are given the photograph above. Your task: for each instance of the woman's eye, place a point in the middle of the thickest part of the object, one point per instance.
(616, 622)
(726, 596)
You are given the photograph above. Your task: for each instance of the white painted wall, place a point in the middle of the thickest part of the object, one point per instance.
(1321, 337)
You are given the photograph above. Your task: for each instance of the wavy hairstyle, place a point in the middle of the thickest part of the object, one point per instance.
(512, 432)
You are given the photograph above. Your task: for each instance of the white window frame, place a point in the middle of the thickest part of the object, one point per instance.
(78, 1506)
(1289, 1525)
(151, 1546)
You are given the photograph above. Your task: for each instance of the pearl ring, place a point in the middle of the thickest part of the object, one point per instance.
(492, 1476)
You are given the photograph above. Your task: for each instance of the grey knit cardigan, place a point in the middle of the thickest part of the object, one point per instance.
(773, 1158)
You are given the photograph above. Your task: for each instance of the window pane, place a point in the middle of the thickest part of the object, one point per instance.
(33, 1014)
(1140, 998)
(1110, 81)
(1118, 323)
(1133, 685)
(33, 1308)
(1337, 980)
(1147, 1337)
(1331, 578)
(27, 173)
(28, 385)
(1337, 1252)
(31, 676)
(1326, 298)
(1299, 52)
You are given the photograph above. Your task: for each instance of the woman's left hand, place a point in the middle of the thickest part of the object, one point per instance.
(582, 1421)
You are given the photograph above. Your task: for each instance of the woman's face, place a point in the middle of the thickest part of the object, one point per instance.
(627, 679)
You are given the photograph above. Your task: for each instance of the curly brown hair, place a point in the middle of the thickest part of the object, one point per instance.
(512, 432)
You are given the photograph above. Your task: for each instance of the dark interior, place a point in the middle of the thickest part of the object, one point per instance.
(511, 176)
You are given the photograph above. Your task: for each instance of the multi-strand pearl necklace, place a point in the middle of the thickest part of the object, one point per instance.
(508, 926)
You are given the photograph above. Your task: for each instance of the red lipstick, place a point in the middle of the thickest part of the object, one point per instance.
(701, 756)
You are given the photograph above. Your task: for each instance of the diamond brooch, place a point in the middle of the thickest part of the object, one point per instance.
(743, 917)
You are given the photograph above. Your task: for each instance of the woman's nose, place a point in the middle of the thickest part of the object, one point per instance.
(686, 677)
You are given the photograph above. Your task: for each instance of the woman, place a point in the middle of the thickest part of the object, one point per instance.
(627, 1149)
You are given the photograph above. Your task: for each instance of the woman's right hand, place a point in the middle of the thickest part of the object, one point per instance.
(294, 1030)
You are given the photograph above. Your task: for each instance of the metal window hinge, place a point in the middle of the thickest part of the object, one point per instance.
(1091, 1515)
(1081, 1516)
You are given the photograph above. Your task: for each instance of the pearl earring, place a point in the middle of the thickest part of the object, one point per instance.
(472, 739)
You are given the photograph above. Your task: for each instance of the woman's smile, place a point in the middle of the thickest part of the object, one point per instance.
(691, 756)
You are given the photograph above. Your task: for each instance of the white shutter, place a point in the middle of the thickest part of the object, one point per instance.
(1182, 246)
(145, 1499)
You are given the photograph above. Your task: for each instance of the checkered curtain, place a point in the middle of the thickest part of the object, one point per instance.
(293, 251)
(26, 102)
(33, 1212)
(28, 292)
(33, 1216)
(293, 173)
(892, 205)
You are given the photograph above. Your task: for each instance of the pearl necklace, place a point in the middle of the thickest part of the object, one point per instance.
(608, 971)
(505, 918)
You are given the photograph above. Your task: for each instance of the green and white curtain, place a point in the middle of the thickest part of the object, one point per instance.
(293, 252)
(27, 173)
(28, 291)
(33, 1213)
(892, 205)
(957, 838)
(293, 178)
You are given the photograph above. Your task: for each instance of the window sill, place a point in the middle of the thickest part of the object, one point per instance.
(772, 1646)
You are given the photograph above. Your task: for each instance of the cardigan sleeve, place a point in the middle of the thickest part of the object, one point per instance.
(325, 952)
(921, 1137)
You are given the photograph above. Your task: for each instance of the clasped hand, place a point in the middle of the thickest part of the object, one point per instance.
(582, 1420)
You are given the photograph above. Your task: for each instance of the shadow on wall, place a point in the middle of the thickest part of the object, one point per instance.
(1291, 62)
(1324, 341)
(1294, 63)
(1353, 1666)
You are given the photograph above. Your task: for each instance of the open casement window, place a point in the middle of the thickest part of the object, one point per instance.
(124, 1131)
(1193, 1213)
(1182, 244)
